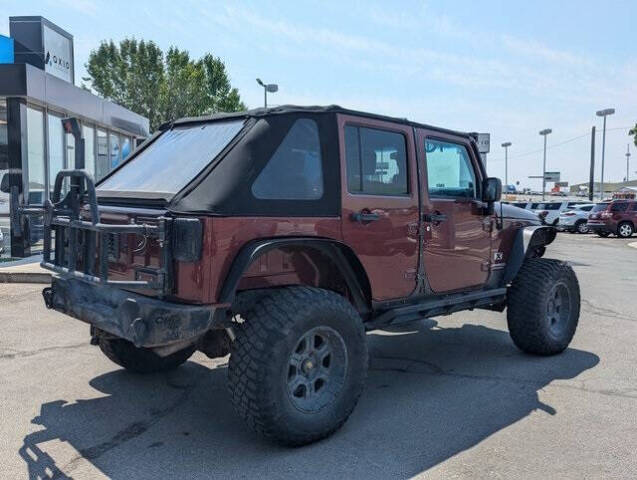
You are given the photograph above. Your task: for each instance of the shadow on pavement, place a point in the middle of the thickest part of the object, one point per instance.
(432, 392)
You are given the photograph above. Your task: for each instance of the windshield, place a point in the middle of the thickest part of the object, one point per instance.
(171, 161)
(599, 207)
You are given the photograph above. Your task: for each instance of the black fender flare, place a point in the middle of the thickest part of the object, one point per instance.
(526, 240)
(341, 254)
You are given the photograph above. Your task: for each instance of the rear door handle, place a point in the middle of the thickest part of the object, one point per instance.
(362, 217)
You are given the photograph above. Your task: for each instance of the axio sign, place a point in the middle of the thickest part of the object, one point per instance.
(58, 54)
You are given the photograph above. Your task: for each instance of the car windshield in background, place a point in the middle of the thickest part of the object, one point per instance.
(171, 161)
(599, 207)
(552, 206)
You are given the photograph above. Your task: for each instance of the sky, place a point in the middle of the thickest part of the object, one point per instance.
(505, 67)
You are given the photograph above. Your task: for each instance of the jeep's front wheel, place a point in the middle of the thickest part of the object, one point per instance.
(141, 360)
(543, 306)
(298, 364)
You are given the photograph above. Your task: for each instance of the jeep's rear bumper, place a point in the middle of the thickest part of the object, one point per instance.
(144, 321)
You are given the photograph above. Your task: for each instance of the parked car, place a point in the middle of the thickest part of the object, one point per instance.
(1, 241)
(549, 212)
(618, 217)
(280, 236)
(574, 219)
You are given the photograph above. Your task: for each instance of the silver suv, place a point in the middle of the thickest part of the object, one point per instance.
(574, 220)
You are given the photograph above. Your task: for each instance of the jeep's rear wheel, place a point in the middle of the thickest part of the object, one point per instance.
(298, 364)
(543, 306)
(141, 360)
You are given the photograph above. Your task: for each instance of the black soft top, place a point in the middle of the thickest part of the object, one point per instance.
(286, 109)
(223, 187)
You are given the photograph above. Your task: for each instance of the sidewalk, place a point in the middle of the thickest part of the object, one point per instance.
(24, 271)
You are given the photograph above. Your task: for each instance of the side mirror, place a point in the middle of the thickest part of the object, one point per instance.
(4, 184)
(491, 189)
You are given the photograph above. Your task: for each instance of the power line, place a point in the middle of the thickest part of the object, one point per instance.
(555, 145)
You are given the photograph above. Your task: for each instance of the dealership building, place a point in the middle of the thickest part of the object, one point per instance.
(37, 90)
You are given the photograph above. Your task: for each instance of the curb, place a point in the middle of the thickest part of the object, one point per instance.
(25, 277)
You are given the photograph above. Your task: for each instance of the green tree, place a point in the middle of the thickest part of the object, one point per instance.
(138, 76)
(633, 132)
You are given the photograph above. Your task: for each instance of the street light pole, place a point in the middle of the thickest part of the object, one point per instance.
(506, 146)
(627, 162)
(544, 133)
(603, 113)
(267, 87)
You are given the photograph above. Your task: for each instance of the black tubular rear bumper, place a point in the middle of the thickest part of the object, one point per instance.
(144, 321)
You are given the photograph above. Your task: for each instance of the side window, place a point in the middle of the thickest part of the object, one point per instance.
(633, 207)
(587, 208)
(295, 170)
(376, 161)
(618, 207)
(449, 170)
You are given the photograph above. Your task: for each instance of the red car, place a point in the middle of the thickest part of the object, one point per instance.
(618, 217)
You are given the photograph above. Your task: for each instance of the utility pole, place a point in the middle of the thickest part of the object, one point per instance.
(603, 113)
(627, 162)
(506, 146)
(544, 133)
(591, 178)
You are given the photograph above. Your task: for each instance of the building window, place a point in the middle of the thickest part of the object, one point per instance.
(127, 147)
(89, 149)
(114, 150)
(56, 148)
(376, 161)
(35, 156)
(294, 172)
(101, 165)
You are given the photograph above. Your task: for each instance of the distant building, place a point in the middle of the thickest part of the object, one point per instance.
(609, 187)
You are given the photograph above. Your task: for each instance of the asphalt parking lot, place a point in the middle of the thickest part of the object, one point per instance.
(446, 398)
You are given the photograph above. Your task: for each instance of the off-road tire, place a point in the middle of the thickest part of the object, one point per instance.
(625, 230)
(603, 233)
(261, 355)
(534, 324)
(141, 360)
(580, 227)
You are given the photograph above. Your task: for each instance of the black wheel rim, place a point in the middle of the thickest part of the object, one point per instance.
(316, 369)
(558, 309)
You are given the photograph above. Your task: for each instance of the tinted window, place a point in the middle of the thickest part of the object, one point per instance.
(535, 206)
(618, 207)
(172, 160)
(520, 204)
(633, 207)
(294, 172)
(376, 161)
(552, 206)
(449, 170)
(586, 208)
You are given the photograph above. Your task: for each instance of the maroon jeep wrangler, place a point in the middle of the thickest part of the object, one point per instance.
(281, 236)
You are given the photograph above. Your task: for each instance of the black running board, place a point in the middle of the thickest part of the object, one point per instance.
(439, 305)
